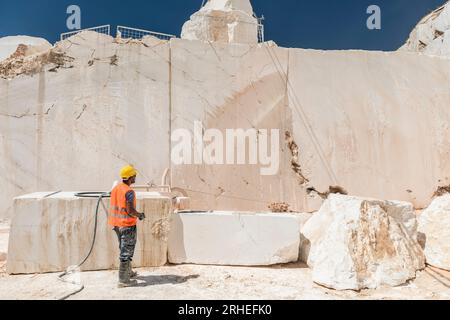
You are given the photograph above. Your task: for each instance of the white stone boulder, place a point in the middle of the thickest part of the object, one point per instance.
(228, 21)
(233, 238)
(49, 234)
(434, 225)
(432, 34)
(361, 243)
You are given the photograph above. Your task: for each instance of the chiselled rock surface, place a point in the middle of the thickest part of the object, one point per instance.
(434, 225)
(53, 233)
(432, 34)
(229, 21)
(233, 238)
(361, 243)
(27, 46)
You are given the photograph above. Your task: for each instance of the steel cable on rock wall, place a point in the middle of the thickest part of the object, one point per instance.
(302, 115)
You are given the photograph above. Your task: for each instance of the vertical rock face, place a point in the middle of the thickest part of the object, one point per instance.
(434, 224)
(229, 21)
(94, 104)
(125, 87)
(359, 243)
(432, 34)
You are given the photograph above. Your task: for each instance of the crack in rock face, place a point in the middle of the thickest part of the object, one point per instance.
(295, 161)
(443, 190)
(326, 194)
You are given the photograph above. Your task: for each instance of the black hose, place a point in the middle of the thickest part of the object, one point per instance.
(91, 195)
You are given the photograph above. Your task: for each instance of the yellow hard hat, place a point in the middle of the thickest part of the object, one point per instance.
(128, 172)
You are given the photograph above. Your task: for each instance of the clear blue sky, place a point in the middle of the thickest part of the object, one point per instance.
(324, 24)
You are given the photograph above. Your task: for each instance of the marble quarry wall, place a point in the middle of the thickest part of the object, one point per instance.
(371, 123)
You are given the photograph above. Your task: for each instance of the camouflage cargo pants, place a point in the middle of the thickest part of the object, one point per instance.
(127, 242)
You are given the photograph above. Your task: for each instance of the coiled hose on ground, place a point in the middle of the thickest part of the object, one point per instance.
(96, 195)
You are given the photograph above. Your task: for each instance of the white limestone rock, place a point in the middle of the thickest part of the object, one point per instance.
(233, 238)
(9, 45)
(361, 243)
(432, 34)
(229, 21)
(305, 245)
(434, 224)
(49, 234)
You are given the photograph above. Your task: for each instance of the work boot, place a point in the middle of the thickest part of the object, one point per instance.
(133, 274)
(124, 275)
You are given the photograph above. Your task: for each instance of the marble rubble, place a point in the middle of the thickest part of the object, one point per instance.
(361, 243)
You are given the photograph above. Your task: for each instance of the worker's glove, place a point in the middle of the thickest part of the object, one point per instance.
(142, 216)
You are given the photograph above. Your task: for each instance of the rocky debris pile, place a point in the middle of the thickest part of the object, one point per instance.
(25, 55)
(434, 226)
(279, 207)
(28, 46)
(21, 64)
(358, 243)
(66, 54)
(432, 34)
(228, 21)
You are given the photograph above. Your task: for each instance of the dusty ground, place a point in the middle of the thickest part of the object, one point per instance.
(210, 282)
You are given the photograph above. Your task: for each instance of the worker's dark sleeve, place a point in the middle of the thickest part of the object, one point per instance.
(130, 197)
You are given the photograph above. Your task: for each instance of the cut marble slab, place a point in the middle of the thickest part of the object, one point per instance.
(233, 238)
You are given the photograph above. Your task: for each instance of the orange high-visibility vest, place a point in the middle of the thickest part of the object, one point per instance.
(118, 215)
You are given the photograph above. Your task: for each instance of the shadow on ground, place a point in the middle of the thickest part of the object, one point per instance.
(167, 279)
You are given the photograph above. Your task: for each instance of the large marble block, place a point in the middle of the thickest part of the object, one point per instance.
(49, 234)
(233, 238)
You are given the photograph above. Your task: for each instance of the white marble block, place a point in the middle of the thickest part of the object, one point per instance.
(53, 233)
(232, 238)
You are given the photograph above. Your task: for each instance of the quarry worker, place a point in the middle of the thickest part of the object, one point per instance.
(123, 217)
